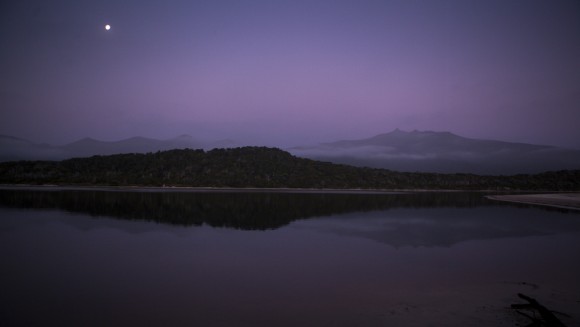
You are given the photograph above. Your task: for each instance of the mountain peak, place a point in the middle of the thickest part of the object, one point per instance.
(399, 135)
(398, 131)
(432, 151)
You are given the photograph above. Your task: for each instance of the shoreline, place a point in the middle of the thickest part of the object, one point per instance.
(135, 188)
(568, 200)
(201, 189)
(558, 199)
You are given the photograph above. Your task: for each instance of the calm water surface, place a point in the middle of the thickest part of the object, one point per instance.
(116, 258)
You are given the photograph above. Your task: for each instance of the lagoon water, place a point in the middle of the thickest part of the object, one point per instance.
(111, 257)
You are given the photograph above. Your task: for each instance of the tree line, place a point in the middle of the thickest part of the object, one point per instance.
(258, 167)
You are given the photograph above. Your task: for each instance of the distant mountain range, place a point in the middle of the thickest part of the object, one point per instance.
(442, 152)
(416, 151)
(12, 148)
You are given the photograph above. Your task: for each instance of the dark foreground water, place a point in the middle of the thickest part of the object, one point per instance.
(159, 258)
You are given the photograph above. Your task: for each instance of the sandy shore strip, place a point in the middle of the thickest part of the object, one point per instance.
(558, 200)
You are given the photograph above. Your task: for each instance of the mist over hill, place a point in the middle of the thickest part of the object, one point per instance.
(442, 152)
(13, 148)
(416, 151)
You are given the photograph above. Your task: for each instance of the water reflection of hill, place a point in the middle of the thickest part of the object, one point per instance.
(244, 210)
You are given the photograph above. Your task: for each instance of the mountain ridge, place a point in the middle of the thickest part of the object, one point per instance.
(414, 151)
(442, 152)
(449, 136)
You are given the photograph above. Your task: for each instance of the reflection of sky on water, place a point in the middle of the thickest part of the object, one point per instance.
(419, 219)
(396, 227)
(400, 266)
(444, 226)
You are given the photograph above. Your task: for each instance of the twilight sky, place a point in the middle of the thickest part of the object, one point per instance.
(290, 72)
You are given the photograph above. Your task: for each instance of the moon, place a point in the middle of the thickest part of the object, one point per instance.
(107, 27)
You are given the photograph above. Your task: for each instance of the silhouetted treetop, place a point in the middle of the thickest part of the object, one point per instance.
(259, 167)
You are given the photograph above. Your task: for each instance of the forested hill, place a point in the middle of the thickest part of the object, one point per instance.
(257, 167)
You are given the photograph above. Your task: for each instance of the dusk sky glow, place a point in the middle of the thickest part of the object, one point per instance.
(290, 72)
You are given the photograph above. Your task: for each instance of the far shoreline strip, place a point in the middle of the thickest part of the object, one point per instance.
(569, 201)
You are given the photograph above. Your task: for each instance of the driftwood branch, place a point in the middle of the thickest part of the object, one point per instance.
(546, 317)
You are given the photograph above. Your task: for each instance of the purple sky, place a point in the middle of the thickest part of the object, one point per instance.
(290, 72)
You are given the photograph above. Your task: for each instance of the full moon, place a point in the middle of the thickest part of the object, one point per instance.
(107, 27)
